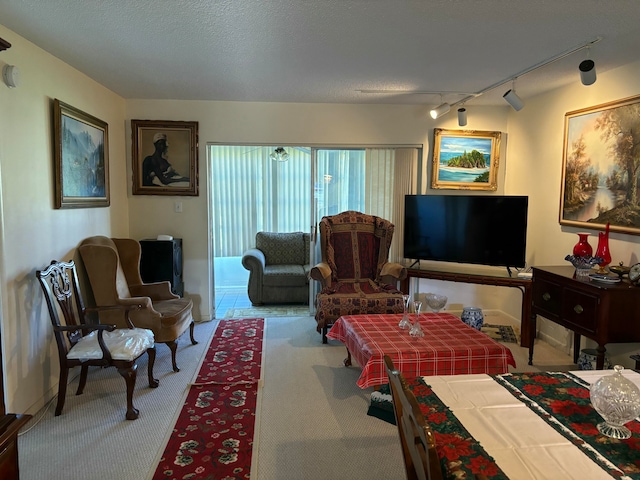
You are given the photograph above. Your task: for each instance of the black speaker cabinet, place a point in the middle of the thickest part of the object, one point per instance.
(162, 260)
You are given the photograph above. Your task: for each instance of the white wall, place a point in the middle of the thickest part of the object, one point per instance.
(33, 232)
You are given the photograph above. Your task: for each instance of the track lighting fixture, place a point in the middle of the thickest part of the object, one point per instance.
(587, 72)
(512, 98)
(440, 110)
(462, 117)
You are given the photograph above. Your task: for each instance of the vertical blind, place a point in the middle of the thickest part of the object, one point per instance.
(253, 193)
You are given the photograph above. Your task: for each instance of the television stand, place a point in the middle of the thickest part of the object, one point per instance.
(462, 274)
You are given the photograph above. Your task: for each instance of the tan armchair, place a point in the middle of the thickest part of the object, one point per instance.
(113, 270)
(355, 275)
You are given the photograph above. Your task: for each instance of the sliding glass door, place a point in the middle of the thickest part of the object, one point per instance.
(252, 192)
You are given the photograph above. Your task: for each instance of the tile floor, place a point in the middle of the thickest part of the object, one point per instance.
(231, 297)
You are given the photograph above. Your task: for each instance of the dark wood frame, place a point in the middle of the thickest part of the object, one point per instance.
(578, 189)
(183, 140)
(65, 160)
(465, 136)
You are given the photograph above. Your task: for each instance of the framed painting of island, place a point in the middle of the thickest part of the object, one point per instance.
(465, 159)
(81, 158)
(601, 167)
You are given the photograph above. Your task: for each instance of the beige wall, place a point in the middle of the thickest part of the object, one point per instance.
(33, 232)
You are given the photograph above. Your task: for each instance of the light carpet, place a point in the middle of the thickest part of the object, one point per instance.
(312, 422)
(91, 440)
(268, 311)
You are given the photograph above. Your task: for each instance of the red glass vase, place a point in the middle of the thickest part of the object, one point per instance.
(603, 249)
(582, 248)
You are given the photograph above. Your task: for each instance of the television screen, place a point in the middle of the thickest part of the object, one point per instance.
(484, 230)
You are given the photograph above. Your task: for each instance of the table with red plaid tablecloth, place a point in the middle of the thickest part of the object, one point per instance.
(449, 347)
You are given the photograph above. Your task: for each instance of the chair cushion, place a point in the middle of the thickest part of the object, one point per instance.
(282, 248)
(123, 343)
(356, 299)
(285, 276)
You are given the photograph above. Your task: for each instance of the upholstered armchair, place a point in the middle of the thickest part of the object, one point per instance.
(278, 268)
(355, 275)
(113, 269)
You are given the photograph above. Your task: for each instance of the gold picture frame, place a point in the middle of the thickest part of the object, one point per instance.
(601, 167)
(465, 159)
(81, 158)
(164, 157)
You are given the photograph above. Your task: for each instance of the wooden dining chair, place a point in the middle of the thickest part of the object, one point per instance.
(418, 441)
(416, 437)
(84, 344)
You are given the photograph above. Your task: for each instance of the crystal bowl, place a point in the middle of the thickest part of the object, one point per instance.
(435, 301)
(617, 400)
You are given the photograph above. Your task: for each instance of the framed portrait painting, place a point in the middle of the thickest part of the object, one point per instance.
(601, 167)
(81, 158)
(164, 157)
(465, 159)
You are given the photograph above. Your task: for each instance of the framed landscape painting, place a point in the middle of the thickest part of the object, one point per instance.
(165, 157)
(81, 158)
(601, 167)
(465, 159)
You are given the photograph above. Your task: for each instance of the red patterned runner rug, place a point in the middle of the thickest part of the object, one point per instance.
(213, 436)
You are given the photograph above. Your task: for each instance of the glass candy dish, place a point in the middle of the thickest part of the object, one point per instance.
(617, 400)
(435, 301)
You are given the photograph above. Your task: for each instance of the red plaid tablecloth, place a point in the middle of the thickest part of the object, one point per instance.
(449, 347)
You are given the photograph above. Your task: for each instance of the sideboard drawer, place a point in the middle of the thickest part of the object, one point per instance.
(547, 296)
(580, 309)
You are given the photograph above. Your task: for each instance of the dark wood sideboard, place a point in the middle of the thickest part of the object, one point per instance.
(605, 313)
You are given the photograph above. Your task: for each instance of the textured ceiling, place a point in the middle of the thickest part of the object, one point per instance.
(324, 51)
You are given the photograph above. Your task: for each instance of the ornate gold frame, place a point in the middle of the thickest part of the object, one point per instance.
(444, 177)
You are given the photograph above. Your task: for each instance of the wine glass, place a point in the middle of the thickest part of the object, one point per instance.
(416, 330)
(405, 323)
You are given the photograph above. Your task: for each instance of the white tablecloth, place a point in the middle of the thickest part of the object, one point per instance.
(521, 442)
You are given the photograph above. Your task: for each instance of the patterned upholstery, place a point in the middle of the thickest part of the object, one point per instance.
(354, 274)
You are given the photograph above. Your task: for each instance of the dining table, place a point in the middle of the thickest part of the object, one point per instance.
(532, 425)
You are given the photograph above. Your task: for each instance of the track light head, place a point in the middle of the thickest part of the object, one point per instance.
(440, 110)
(587, 72)
(462, 117)
(513, 99)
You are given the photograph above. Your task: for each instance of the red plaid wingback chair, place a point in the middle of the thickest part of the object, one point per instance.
(354, 274)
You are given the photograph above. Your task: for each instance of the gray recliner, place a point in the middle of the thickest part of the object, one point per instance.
(278, 268)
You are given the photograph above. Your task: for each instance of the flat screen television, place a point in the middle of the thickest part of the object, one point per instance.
(475, 229)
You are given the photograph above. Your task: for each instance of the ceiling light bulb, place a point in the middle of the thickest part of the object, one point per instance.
(462, 117)
(587, 72)
(440, 110)
(513, 99)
